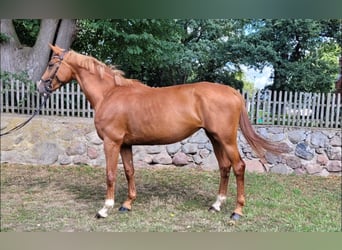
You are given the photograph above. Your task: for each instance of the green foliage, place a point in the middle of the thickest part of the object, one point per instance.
(3, 38)
(160, 52)
(8, 78)
(27, 30)
(303, 52)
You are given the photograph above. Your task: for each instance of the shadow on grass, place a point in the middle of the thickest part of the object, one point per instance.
(146, 194)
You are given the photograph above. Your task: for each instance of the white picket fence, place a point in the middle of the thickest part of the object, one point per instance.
(264, 107)
(295, 108)
(22, 98)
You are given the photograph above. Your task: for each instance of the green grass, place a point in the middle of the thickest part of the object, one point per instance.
(54, 198)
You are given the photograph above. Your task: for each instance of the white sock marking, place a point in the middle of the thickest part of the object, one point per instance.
(219, 200)
(109, 203)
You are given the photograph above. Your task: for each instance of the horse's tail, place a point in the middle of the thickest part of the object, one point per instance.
(258, 144)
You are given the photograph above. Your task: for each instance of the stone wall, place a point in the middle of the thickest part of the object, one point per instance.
(64, 141)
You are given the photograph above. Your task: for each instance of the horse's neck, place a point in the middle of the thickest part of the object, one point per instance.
(93, 86)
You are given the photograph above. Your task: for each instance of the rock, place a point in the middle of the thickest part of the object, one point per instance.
(322, 159)
(47, 153)
(209, 146)
(93, 138)
(246, 148)
(190, 165)
(329, 134)
(77, 148)
(276, 130)
(313, 168)
(64, 159)
(210, 162)
(296, 136)
(9, 156)
(263, 132)
(141, 156)
(272, 158)
(299, 171)
(336, 141)
(293, 161)
(92, 153)
(197, 159)
(304, 151)
(276, 137)
(189, 148)
(318, 139)
(324, 173)
(99, 161)
(80, 160)
(334, 166)
(173, 148)
(281, 169)
(153, 149)
(286, 147)
(204, 153)
(180, 159)
(136, 149)
(162, 158)
(319, 150)
(200, 137)
(254, 166)
(334, 153)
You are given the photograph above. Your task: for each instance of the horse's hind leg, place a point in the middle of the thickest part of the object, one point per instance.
(239, 172)
(224, 166)
(228, 155)
(127, 159)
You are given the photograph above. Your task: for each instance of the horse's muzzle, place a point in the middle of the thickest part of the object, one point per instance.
(44, 87)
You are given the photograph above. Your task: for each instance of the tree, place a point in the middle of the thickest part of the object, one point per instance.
(31, 54)
(161, 51)
(303, 53)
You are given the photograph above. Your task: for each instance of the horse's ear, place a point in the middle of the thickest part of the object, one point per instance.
(57, 50)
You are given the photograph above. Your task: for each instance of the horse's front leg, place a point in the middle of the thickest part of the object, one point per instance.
(111, 151)
(127, 159)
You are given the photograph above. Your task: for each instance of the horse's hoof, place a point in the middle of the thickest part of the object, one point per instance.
(98, 216)
(235, 216)
(233, 219)
(124, 209)
(213, 210)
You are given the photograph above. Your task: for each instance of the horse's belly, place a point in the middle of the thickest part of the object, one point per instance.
(160, 133)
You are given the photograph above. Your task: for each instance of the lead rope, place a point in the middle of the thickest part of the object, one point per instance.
(46, 97)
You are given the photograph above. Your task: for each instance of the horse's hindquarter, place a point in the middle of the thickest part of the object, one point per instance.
(163, 115)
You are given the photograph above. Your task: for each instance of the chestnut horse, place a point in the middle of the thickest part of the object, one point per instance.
(128, 113)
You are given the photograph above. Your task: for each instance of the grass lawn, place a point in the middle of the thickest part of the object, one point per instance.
(55, 198)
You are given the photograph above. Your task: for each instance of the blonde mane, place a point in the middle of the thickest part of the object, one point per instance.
(97, 67)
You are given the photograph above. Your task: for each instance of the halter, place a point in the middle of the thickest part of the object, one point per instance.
(48, 82)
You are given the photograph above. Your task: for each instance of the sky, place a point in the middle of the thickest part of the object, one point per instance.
(260, 79)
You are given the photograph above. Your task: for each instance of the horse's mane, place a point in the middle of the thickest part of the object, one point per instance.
(97, 67)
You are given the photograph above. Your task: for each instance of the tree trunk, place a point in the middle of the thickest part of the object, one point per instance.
(16, 58)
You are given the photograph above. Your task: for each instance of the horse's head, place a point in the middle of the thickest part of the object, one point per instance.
(56, 74)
